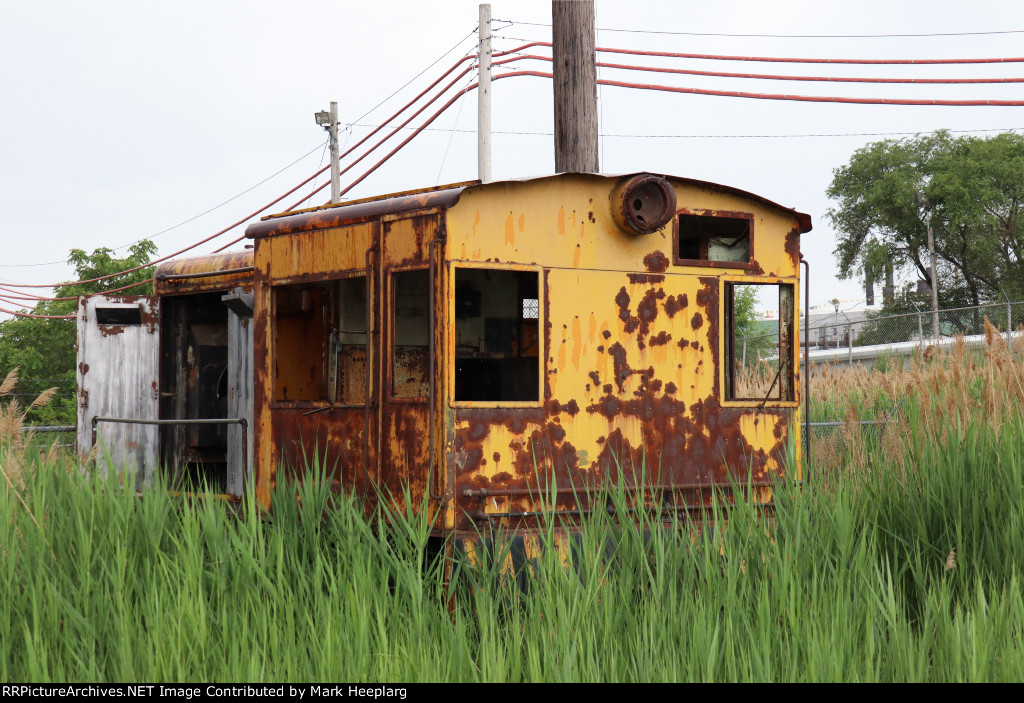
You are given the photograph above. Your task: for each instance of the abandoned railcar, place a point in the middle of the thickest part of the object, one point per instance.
(483, 348)
(179, 361)
(481, 351)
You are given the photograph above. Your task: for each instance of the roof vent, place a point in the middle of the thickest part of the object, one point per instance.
(643, 204)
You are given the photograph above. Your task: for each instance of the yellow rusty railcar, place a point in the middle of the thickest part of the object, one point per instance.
(473, 348)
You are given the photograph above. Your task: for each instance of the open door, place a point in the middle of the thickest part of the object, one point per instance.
(118, 378)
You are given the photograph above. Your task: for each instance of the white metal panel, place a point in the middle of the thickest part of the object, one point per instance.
(118, 376)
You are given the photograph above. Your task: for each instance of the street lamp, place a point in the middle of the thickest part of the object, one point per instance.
(329, 121)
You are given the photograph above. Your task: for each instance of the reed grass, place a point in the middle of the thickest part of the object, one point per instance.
(902, 567)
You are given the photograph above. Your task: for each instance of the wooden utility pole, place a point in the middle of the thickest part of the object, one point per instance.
(575, 86)
(483, 96)
(335, 166)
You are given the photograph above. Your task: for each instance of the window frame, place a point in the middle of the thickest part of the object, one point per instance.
(728, 343)
(730, 214)
(313, 280)
(392, 298)
(452, 338)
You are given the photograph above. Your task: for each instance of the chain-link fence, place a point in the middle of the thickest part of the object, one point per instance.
(924, 325)
(850, 330)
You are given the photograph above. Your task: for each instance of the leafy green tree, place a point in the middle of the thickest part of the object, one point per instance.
(45, 349)
(760, 335)
(971, 187)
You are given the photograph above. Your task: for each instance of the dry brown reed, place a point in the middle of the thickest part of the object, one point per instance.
(946, 388)
(14, 439)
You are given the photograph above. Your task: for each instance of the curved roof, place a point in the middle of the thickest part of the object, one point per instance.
(370, 209)
(196, 274)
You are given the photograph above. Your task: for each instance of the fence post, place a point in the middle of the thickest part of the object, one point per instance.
(744, 349)
(849, 342)
(1009, 318)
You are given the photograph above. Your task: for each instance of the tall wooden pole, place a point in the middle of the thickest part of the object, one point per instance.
(483, 97)
(335, 166)
(575, 86)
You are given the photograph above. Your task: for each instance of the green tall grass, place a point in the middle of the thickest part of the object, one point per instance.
(910, 571)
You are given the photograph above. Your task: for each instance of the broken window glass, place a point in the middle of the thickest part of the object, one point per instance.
(723, 238)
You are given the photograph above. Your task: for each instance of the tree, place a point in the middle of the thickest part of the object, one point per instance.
(973, 189)
(46, 349)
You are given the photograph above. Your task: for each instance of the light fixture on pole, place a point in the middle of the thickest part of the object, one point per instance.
(329, 121)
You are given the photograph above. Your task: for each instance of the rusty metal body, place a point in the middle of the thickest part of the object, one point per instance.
(489, 352)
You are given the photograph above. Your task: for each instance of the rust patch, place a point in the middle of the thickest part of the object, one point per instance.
(606, 334)
(637, 278)
(622, 300)
(708, 297)
(656, 262)
(622, 370)
(792, 246)
(674, 304)
(496, 457)
(571, 408)
(661, 339)
(670, 388)
(595, 378)
(647, 309)
(697, 321)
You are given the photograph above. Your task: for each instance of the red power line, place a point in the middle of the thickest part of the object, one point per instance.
(377, 129)
(43, 317)
(265, 207)
(769, 96)
(775, 59)
(393, 133)
(776, 77)
(10, 298)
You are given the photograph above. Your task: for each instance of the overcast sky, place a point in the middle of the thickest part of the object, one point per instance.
(122, 119)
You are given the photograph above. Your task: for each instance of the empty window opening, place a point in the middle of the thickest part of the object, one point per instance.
(347, 352)
(718, 238)
(118, 315)
(320, 341)
(497, 343)
(759, 346)
(410, 376)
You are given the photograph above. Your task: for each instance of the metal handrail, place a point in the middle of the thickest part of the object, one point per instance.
(240, 421)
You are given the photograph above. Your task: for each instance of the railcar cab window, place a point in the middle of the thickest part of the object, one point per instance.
(410, 375)
(714, 238)
(759, 349)
(320, 341)
(497, 335)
